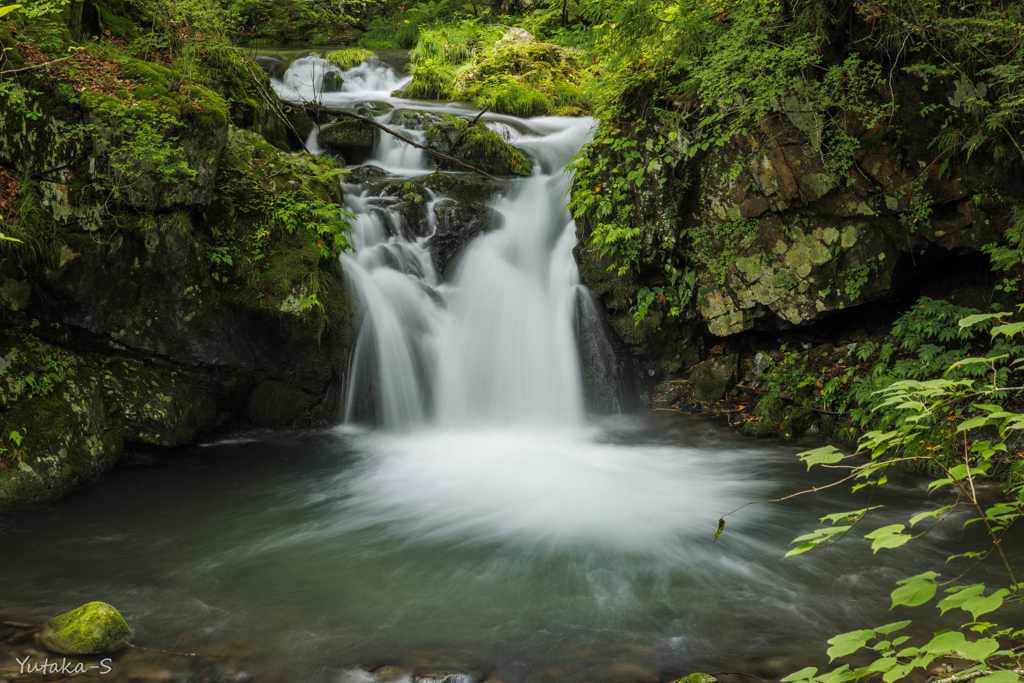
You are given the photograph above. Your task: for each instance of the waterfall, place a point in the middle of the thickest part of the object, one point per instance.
(493, 344)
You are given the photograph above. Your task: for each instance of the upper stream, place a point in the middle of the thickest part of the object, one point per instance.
(485, 523)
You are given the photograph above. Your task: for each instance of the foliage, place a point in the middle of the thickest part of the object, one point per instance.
(917, 405)
(719, 74)
(468, 61)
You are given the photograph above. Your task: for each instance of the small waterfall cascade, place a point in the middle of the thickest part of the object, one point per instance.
(492, 342)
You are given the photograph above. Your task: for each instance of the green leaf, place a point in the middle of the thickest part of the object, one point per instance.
(974, 319)
(897, 672)
(805, 674)
(979, 650)
(4, 11)
(891, 536)
(891, 628)
(826, 455)
(998, 677)
(915, 590)
(972, 599)
(972, 423)
(944, 643)
(1008, 330)
(924, 515)
(847, 643)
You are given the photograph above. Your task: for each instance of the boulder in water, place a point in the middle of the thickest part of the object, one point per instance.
(347, 59)
(457, 224)
(332, 82)
(351, 138)
(93, 628)
(412, 209)
(366, 174)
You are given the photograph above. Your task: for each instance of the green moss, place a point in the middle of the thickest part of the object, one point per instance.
(478, 146)
(347, 59)
(263, 219)
(93, 628)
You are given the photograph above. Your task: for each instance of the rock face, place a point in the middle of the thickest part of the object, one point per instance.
(152, 335)
(774, 239)
(92, 629)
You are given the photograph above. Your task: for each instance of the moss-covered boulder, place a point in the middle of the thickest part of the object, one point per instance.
(478, 146)
(348, 137)
(349, 58)
(93, 628)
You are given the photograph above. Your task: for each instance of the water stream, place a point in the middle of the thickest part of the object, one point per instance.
(483, 522)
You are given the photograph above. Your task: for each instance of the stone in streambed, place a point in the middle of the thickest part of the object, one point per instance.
(715, 376)
(93, 628)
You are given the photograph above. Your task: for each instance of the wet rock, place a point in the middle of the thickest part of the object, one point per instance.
(366, 174)
(612, 382)
(462, 187)
(456, 225)
(668, 394)
(412, 209)
(271, 66)
(753, 368)
(698, 678)
(274, 403)
(14, 294)
(93, 628)
(414, 120)
(351, 138)
(300, 121)
(714, 377)
(332, 82)
(392, 672)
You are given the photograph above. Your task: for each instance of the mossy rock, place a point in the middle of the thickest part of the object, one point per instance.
(698, 678)
(478, 146)
(93, 628)
(347, 59)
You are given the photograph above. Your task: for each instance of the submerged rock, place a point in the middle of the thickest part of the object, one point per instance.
(93, 628)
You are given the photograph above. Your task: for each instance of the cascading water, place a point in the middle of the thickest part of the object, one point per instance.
(496, 343)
